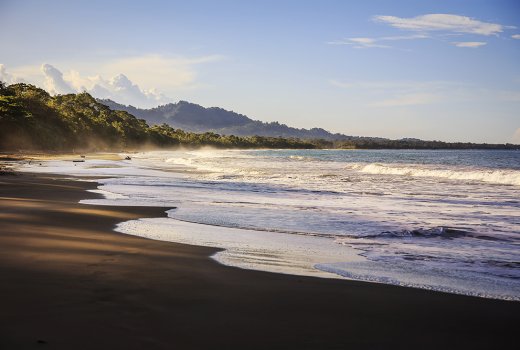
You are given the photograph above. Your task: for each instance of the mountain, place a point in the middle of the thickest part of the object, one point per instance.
(32, 119)
(193, 117)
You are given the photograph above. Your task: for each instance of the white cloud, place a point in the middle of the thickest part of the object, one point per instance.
(405, 37)
(8, 78)
(470, 44)
(341, 84)
(4, 76)
(358, 43)
(54, 82)
(119, 88)
(159, 71)
(80, 83)
(135, 80)
(516, 36)
(24, 74)
(424, 26)
(149, 71)
(140, 85)
(442, 22)
(364, 42)
(125, 91)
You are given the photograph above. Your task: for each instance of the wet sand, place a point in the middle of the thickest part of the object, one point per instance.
(67, 281)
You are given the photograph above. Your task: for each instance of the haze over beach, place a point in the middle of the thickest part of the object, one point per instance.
(253, 175)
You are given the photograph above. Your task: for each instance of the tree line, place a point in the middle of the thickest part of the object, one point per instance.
(32, 119)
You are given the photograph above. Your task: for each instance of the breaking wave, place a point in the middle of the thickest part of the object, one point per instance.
(444, 232)
(503, 177)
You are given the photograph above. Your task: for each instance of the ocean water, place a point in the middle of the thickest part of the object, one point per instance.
(441, 220)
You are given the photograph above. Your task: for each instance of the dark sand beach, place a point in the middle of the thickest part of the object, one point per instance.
(69, 282)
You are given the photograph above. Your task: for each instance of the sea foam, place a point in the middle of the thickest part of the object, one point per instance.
(504, 177)
(442, 220)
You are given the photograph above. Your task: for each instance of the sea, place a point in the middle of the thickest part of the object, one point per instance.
(444, 220)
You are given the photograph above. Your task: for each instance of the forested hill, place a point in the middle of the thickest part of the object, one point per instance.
(31, 119)
(193, 117)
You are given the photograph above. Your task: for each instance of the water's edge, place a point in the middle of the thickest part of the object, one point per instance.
(273, 251)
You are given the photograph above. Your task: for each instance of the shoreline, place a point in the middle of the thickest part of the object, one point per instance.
(258, 249)
(70, 281)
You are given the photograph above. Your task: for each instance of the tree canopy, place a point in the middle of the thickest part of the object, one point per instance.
(30, 118)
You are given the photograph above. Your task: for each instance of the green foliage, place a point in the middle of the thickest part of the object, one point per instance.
(32, 119)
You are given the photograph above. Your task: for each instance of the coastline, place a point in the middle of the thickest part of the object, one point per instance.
(70, 281)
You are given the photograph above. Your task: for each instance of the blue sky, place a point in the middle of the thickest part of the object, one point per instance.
(446, 70)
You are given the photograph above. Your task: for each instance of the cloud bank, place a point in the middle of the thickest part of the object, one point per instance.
(470, 44)
(54, 82)
(119, 88)
(442, 22)
(9, 78)
(363, 42)
(425, 27)
(161, 72)
(137, 80)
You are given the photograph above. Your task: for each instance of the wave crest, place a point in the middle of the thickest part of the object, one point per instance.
(503, 177)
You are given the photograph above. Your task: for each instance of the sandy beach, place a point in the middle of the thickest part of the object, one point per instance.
(68, 281)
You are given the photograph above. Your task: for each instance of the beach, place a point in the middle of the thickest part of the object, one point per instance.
(438, 220)
(70, 281)
(259, 175)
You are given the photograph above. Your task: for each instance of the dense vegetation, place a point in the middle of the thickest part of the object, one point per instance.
(30, 118)
(193, 117)
(190, 116)
(378, 143)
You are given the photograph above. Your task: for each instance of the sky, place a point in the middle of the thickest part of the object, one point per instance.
(435, 70)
